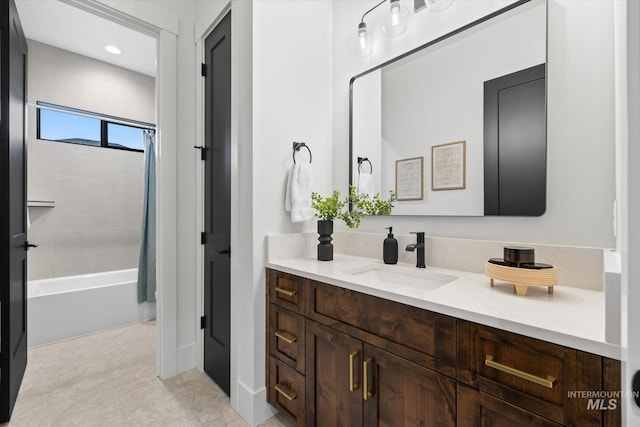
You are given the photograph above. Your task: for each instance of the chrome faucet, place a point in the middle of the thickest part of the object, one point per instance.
(419, 245)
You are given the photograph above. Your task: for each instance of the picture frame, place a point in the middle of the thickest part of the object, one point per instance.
(410, 179)
(448, 166)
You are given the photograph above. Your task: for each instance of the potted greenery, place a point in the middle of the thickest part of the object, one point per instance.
(333, 207)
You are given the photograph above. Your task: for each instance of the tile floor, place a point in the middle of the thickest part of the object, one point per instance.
(108, 379)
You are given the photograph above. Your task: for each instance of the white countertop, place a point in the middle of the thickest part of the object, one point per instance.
(570, 317)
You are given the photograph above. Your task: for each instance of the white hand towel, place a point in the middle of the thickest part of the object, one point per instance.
(365, 184)
(301, 181)
(287, 192)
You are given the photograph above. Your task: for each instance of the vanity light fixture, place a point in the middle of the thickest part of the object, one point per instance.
(433, 5)
(112, 49)
(362, 41)
(395, 22)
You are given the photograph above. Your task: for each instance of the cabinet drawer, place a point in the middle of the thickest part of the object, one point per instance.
(287, 336)
(420, 336)
(529, 373)
(478, 409)
(286, 391)
(287, 290)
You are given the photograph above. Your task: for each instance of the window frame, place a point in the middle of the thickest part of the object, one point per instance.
(105, 120)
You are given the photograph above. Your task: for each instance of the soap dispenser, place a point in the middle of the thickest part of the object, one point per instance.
(390, 248)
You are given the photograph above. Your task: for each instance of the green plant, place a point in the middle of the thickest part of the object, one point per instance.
(330, 208)
(327, 208)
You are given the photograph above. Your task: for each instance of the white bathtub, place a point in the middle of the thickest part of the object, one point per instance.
(65, 307)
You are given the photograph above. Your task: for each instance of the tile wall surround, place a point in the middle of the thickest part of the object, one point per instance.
(578, 267)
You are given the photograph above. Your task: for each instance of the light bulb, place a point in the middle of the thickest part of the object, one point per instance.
(438, 5)
(362, 42)
(395, 24)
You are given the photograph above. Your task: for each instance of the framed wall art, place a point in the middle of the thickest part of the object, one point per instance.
(410, 179)
(448, 166)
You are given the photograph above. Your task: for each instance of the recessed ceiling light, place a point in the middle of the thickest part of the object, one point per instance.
(112, 49)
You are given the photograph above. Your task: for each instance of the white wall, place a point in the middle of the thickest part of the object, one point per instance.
(95, 224)
(581, 186)
(291, 102)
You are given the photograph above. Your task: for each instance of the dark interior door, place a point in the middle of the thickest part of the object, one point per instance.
(217, 203)
(13, 215)
(515, 144)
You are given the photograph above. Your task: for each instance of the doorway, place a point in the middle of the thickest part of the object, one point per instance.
(217, 204)
(164, 30)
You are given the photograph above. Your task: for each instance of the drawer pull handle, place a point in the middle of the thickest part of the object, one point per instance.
(548, 382)
(286, 395)
(286, 292)
(365, 381)
(352, 385)
(288, 338)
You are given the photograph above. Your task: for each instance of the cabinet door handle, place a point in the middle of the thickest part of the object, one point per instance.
(352, 385)
(286, 292)
(288, 338)
(286, 395)
(365, 380)
(548, 382)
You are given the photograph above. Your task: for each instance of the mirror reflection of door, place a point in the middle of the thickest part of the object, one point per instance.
(515, 144)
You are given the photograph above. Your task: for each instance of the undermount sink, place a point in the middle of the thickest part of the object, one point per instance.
(419, 279)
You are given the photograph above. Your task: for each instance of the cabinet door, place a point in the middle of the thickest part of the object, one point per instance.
(477, 409)
(334, 388)
(401, 393)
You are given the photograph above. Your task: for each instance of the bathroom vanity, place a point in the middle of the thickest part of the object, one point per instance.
(348, 347)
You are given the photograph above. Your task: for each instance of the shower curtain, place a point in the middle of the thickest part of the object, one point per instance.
(147, 262)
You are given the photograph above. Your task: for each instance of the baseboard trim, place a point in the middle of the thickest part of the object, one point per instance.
(253, 406)
(186, 357)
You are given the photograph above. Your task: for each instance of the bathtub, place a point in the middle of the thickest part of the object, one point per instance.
(65, 307)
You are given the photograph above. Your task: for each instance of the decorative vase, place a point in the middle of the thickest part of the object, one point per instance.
(325, 247)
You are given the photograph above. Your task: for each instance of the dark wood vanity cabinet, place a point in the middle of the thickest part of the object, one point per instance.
(344, 358)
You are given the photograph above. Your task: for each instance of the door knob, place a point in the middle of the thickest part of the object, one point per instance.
(28, 245)
(223, 251)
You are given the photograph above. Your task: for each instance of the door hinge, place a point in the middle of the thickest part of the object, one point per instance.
(204, 70)
(203, 322)
(203, 238)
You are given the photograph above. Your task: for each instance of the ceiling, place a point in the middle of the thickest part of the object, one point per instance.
(58, 24)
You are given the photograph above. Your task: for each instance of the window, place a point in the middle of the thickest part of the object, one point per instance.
(124, 136)
(64, 124)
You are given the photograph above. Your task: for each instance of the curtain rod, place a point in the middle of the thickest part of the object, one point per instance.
(92, 115)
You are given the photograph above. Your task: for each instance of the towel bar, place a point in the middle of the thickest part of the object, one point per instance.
(362, 160)
(297, 146)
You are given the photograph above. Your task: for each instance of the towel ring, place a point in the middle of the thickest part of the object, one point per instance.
(297, 146)
(362, 160)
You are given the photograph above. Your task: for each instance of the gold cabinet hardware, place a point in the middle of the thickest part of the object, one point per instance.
(288, 338)
(286, 292)
(548, 382)
(365, 380)
(352, 385)
(287, 396)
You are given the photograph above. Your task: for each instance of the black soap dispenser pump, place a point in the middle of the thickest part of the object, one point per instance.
(390, 248)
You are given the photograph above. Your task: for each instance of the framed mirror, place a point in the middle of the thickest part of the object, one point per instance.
(419, 121)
